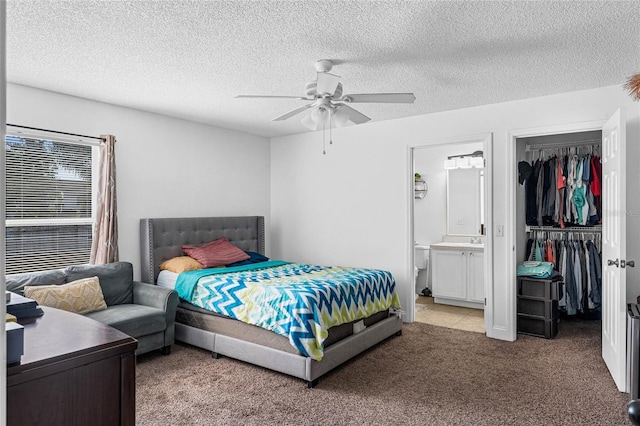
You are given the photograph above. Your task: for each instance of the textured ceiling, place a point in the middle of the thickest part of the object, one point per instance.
(189, 59)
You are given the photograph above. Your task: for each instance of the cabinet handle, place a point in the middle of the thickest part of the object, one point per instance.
(471, 253)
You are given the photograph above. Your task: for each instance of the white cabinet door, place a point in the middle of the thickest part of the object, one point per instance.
(475, 276)
(449, 274)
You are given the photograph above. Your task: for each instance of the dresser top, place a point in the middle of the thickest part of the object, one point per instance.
(60, 335)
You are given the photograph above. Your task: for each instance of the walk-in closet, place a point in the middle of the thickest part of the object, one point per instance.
(559, 219)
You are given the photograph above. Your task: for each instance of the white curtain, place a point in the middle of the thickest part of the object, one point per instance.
(104, 248)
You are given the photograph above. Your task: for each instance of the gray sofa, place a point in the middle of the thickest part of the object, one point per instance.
(145, 312)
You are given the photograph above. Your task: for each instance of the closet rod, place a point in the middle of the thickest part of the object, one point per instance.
(539, 146)
(54, 131)
(597, 228)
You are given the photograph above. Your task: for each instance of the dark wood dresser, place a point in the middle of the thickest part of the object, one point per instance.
(74, 371)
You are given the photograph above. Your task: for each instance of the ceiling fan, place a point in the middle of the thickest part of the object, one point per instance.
(328, 105)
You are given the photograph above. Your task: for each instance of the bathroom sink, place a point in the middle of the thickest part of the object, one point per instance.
(458, 245)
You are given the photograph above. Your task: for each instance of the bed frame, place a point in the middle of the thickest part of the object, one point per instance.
(160, 240)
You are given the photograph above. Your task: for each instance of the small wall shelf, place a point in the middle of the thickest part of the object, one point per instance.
(420, 188)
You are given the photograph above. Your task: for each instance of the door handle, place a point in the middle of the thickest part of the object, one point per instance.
(629, 263)
(613, 262)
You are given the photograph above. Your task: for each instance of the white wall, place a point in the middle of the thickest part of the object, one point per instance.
(166, 167)
(351, 206)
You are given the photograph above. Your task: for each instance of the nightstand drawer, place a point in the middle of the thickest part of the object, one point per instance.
(539, 288)
(537, 327)
(545, 309)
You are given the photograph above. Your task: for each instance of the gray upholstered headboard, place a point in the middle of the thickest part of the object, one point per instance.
(161, 239)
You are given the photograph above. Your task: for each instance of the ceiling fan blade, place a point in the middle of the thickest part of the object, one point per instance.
(392, 98)
(272, 97)
(292, 112)
(327, 83)
(355, 116)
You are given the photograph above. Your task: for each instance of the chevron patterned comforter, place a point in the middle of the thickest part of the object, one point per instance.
(298, 301)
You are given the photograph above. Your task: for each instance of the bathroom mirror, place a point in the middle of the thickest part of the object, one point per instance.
(464, 201)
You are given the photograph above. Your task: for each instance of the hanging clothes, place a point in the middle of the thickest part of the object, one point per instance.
(595, 292)
(564, 190)
(578, 261)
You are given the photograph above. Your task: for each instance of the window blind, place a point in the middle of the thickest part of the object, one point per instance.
(48, 204)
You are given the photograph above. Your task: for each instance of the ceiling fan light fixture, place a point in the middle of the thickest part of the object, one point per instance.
(339, 117)
(320, 115)
(308, 122)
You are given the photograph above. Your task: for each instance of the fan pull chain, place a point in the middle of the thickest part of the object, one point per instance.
(330, 136)
(324, 151)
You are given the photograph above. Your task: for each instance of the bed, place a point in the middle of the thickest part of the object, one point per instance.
(162, 239)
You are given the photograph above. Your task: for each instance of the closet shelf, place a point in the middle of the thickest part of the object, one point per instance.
(597, 228)
(539, 146)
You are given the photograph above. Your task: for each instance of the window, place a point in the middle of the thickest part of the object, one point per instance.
(49, 204)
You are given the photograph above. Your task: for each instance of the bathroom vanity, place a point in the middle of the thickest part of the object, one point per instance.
(458, 274)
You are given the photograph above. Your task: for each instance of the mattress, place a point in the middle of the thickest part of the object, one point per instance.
(194, 316)
(300, 301)
(198, 317)
(167, 279)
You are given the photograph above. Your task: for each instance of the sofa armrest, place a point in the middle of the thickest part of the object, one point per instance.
(156, 297)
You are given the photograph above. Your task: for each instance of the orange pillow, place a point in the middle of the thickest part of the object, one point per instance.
(216, 253)
(180, 264)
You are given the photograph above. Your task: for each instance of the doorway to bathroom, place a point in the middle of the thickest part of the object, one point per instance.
(449, 223)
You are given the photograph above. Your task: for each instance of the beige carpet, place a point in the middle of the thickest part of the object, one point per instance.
(429, 375)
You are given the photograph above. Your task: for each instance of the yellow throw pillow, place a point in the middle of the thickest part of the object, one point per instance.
(181, 264)
(81, 296)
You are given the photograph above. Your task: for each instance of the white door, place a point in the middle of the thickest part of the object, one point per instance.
(614, 249)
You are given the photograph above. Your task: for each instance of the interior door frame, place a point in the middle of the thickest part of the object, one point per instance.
(487, 140)
(512, 136)
(3, 122)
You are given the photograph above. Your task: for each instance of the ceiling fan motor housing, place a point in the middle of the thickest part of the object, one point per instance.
(324, 65)
(311, 90)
